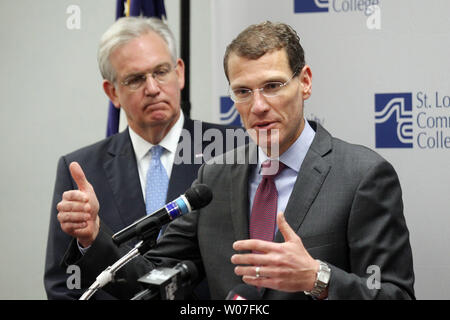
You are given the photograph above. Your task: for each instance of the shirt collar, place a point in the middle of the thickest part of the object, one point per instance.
(169, 142)
(294, 156)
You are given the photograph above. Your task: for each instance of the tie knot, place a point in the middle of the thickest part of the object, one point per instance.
(271, 168)
(156, 151)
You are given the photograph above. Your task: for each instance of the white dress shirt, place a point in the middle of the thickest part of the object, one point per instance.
(143, 155)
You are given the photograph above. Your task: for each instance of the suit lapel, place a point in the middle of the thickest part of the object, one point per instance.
(309, 181)
(239, 179)
(123, 177)
(185, 172)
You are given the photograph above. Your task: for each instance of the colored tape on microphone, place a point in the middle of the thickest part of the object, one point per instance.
(176, 208)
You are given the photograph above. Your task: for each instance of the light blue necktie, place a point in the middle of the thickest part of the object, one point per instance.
(157, 182)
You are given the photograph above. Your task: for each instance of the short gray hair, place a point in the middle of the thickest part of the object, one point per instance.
(124, 30)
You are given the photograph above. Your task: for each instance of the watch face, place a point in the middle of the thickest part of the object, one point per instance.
(323, 277)
(324, 274)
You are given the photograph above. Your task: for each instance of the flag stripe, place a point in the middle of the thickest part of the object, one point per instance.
(148, 8)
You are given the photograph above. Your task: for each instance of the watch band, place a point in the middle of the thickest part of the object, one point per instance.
(322, 280)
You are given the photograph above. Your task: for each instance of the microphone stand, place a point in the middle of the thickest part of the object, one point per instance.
(148, 241)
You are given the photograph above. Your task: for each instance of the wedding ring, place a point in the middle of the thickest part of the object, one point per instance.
(257, 272)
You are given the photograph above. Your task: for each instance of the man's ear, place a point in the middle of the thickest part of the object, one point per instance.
(111, 92)
(306, 81)
(180, 73)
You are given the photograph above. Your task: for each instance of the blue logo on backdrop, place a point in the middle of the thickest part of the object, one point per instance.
(228, 113)
(337, 6)
(393, 120)
(301, 6)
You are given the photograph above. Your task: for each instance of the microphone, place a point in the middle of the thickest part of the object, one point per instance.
(196, 197)
(244, 292)
(168, 283)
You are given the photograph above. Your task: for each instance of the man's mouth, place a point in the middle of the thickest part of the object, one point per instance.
(154, 106)
(264, 125)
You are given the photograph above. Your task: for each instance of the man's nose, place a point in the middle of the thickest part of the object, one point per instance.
(259, 103)
(151, 85)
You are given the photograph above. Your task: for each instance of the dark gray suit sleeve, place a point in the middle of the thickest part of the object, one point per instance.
(55, 275)
(378, 240)
(99, 256)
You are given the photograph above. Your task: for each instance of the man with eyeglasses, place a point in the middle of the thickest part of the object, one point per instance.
(327, 222)
(113, 182)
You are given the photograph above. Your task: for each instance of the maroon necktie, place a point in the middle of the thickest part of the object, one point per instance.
(264, 210)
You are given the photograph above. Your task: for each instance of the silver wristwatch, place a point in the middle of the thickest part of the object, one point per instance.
(322, 279)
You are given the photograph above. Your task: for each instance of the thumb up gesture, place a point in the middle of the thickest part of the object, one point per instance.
(78, 209)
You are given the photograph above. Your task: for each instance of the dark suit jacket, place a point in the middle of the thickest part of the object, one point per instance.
(346, 206)
(110, 166)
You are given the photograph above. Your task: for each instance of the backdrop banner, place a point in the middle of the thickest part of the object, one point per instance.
(380, 79)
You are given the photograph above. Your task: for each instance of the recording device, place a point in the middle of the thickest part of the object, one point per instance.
(168, 283)
(195, 197)
(244, 292)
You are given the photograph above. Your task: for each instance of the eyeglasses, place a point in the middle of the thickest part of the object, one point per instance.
(269, 89)
(136, 81)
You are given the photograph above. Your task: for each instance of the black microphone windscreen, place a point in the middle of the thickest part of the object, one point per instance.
(198, 196)
(189, 270)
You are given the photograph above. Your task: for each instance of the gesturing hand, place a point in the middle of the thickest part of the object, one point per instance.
(283, 266)
(78, 209)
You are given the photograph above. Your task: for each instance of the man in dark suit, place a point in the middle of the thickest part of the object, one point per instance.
(137, 59)
(340, 232)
